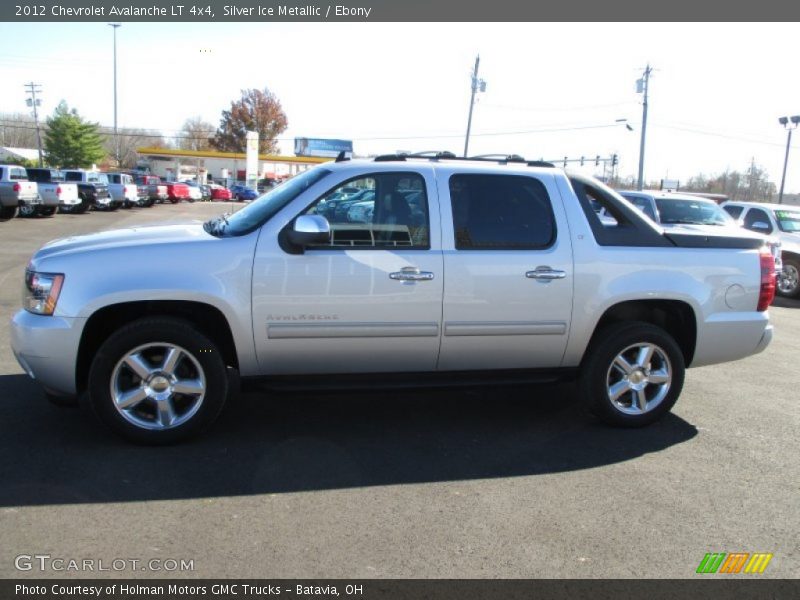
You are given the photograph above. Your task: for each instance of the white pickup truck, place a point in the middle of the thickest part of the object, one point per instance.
(54, 191)
(466, 272)
(16, 191)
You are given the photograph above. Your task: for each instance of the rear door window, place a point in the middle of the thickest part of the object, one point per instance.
(733, 211)
(501, 212)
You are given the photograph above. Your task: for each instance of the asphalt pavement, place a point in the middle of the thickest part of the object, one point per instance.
(487, 482)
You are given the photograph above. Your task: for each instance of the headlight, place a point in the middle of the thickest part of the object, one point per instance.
(41, 292)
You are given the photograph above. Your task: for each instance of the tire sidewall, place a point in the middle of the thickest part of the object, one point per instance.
(144, 332)
(604, 349)
(796, 291)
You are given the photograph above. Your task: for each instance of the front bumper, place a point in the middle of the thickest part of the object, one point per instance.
(47, 349)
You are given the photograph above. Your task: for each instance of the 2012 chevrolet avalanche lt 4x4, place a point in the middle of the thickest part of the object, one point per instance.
(456, 268)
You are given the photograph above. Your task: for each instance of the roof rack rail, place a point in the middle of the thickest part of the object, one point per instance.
(437, 155)
(499, 157)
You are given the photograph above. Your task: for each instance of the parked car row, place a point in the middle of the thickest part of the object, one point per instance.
(43, 191)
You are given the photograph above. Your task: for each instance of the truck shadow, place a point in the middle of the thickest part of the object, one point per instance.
(299, 442)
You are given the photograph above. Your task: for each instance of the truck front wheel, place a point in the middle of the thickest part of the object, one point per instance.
(632, 375)
(789, 279)
(158, 381)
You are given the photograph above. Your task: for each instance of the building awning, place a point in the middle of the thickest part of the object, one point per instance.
(195, 154)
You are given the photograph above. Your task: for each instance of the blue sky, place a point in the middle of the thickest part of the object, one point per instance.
(552, 89)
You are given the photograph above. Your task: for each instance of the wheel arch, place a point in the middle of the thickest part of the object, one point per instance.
(206, 318)
(676, 317)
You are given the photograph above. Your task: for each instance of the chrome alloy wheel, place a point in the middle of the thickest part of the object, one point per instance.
(158, 386)
(788, 279)
(639, 379)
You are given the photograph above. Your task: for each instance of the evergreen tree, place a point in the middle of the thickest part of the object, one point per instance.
(70, 141)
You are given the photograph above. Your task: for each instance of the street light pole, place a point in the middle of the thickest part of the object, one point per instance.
(116, 136)
(642, 85)
(477, 85)
(785, 122)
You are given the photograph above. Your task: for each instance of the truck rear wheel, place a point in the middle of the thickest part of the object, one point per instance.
(8, 212)
(157, 381)
(27, 210)
(632, 374)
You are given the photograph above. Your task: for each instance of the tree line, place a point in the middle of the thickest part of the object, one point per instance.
(70, 140)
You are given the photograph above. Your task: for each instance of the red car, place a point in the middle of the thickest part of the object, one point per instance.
(177, 192)
(221, 193)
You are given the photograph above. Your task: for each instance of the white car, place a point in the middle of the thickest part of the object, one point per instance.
(776, 220)
(195, 193)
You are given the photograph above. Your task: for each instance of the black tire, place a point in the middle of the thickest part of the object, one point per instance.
(82, 207)
(8, 212)
(599, 375)
(47, 211)
(199, 355)
(789, 286)
(27, 211)
(174, 200)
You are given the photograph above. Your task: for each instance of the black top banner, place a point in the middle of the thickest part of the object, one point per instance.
(397, 10)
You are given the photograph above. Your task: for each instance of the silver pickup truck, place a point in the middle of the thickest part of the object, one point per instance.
(467, 270)
(54, 191)
(16, 191)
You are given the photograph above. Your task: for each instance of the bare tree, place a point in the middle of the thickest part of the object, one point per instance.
(17, 130)
(195, 134)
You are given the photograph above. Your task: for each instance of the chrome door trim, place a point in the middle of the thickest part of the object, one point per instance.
(470, 328)
(283, 331)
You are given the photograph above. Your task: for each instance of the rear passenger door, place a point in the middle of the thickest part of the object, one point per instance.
(508, 271)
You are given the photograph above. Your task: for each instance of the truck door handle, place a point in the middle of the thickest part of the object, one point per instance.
(545, 274)
(411, 274)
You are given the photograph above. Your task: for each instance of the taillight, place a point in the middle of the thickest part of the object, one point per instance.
(767, 292)
(58, 191)
(17, 187)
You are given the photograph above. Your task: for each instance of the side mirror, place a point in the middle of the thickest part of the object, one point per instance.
(310, 229)
(760, 226)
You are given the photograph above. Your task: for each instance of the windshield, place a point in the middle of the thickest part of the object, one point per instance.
(691, 212)
(788, 220)
(263, 208)
(93, 177)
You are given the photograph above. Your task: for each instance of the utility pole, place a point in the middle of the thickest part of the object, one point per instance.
(641, 87)
(795, 121)
(116, 135)
(35, 102)
(477, 85)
